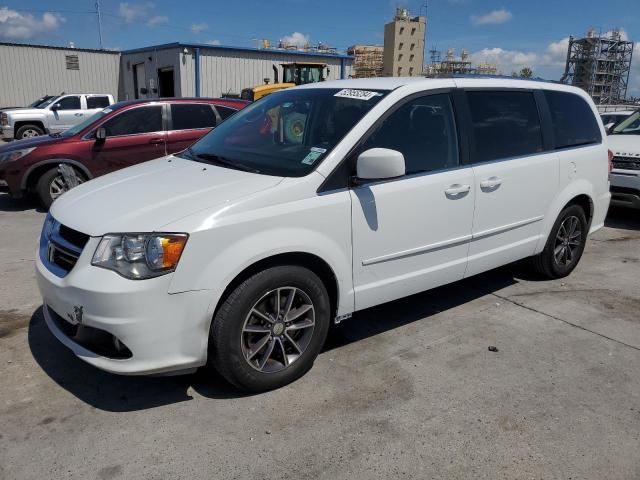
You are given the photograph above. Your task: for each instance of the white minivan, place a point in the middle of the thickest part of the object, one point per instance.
(313, 203)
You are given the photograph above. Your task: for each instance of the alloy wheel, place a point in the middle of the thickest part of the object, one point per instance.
(58, 186)
(568, 240)
(30, 133)
(278, 329)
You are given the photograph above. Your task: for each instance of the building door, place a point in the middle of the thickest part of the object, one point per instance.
(166, 83)
(139, 81)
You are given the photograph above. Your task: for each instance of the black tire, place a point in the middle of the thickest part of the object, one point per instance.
(28, 131)
(44, 184)
(226, 338)
(546, 263)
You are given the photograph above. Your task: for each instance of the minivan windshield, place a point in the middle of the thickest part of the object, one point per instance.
(287, 133)
(84, 124)
(629, 126)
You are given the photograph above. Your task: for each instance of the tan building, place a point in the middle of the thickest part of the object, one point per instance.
(367, 60)
(404, 45)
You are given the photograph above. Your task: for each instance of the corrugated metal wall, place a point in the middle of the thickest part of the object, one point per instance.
(229, 71)
(29, 72)
(159, 59)
(221, 71)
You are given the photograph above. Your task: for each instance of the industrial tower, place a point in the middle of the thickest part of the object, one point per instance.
(600, 65)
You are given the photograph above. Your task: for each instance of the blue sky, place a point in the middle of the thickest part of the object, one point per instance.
(511, 33)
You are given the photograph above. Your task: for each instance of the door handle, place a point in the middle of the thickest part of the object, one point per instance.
(456, 189)
(79, 114)
(491, 182)
(156, 141)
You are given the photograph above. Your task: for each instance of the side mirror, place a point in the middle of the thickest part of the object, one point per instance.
(101, 134)
(55, 106)
(380, 164)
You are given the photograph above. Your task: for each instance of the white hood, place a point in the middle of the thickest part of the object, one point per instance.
(624, 145)
(145, 197)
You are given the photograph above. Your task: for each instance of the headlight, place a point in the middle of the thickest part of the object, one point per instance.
(15, 154)
(140, 255)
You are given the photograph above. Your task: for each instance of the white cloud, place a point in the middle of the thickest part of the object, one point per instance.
(199, 28)
(214, 42)
(495, 17)
(296, 39)
(15, 25)
(558, 50)
(547, 63)
(158, 20)
(132, 12)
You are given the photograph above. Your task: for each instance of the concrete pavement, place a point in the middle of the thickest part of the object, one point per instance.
(405, 390)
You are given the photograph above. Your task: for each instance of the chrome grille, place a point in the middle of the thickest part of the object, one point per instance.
(626, 163)
(60, 246)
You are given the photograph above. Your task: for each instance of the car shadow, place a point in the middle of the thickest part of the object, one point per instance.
(9, 204)
(116, 393)
(623, 218)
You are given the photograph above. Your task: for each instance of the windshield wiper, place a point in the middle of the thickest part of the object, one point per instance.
(55, 135)
(218, 160)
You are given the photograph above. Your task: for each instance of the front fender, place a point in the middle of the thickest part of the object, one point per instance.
(52, 162)
(317, 226)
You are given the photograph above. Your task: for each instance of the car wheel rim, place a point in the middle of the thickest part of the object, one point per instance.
(278, 329)
(58, 186)
(29, 133)
(568, 241)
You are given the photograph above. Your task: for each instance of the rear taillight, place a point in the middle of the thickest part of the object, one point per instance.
(610, 161)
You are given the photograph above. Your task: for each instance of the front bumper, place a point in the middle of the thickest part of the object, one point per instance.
(625, 188)
(163, 332)
(6, 132)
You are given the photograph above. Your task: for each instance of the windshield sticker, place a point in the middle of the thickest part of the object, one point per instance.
(314, 154)
(357, 94)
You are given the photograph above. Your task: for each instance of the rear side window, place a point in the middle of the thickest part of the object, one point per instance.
(69, 103)
(574, 123)
(225, 112)
(187, 116)
(97, 102)
(505, 124)
(134, 121)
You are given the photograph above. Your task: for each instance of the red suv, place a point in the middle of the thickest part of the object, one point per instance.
(121, 135)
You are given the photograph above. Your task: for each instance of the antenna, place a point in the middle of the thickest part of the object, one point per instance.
(99, 14)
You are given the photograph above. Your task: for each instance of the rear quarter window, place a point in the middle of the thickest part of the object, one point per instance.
(574, 123)
(188, 116)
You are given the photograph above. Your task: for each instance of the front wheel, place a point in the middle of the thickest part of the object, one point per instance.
(565, 244)
(51, 185)
(270, 329)
(29, 131)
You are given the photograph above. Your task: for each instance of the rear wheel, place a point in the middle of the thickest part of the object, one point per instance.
(270, 329)
(565, 244)
(29, 131)
(51, 185)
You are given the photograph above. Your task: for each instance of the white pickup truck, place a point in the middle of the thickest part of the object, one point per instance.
(624, 143)
(54, 115)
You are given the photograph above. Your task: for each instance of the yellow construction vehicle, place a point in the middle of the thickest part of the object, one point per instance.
(296, 73)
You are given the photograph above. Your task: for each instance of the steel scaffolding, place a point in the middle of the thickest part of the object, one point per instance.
(600, 65)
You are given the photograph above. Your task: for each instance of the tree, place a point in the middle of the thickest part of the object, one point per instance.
(526, 72)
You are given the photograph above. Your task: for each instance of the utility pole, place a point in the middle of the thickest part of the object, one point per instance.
(426, 25)
(99, 14)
